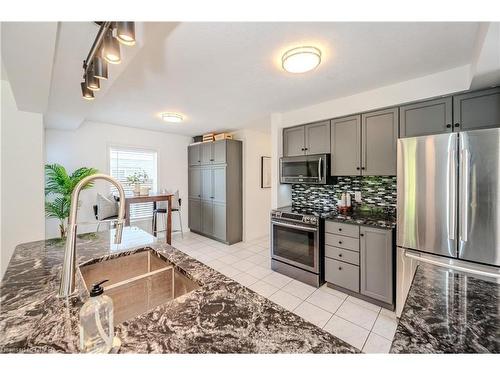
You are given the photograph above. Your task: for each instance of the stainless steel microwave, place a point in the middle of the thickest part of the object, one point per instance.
(307, 169)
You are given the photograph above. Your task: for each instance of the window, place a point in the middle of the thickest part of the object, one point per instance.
(124, 162)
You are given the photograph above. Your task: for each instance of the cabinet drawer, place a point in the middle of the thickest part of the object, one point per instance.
(342, 254)
(342, 274)
(342, 241)
(343, 229)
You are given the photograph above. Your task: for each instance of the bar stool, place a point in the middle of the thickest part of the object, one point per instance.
(176, 207)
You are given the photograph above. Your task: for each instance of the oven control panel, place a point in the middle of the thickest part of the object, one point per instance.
(287, 216)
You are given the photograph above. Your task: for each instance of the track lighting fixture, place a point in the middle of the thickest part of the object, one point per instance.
(125, 32)
(104, 50)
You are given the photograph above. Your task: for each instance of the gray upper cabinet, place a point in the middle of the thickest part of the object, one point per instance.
(317, 138)
(426, 118)
(218, 152)
(345, 146)
(293, 141)
(376, 263)
(215, 191)
(477, 110)
(206, 153)
(307, 139)
(379, 134)
(194, 155)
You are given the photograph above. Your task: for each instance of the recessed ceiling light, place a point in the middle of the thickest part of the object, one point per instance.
(172, 117)
(301, 59)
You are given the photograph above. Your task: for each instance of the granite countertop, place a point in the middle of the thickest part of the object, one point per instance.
(449, 312)
(378, 219)
(221, 316)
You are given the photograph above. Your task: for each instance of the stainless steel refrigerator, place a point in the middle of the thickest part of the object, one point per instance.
(448, 208)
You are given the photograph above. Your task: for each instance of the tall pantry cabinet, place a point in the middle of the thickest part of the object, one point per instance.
(215, 190)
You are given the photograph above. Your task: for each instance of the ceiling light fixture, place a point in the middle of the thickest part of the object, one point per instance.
(172, 117)
(100, 67)
(86, 93)
(104, 50)
(125, 32)
(301, 59)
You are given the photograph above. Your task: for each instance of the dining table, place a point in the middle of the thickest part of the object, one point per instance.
(154, 198)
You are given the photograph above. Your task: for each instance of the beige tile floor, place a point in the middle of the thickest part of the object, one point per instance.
(361, 324)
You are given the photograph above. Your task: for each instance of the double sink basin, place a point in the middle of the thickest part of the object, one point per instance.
(138, 282)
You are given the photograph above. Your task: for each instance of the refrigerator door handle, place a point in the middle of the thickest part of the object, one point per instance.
(452, 221)
(465, 178)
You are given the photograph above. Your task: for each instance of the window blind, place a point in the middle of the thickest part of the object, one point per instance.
(124, 162)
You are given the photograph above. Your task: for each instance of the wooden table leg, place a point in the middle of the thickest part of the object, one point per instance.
(127, 213)
(169, 220)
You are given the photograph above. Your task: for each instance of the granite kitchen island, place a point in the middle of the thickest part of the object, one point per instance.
(449, 312)
(221, 316)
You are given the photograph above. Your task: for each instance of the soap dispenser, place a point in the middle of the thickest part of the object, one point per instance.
(96, 322)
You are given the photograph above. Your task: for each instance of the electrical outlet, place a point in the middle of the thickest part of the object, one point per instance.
(357, 196)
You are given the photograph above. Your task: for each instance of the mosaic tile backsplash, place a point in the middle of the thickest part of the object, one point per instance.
(375, 191)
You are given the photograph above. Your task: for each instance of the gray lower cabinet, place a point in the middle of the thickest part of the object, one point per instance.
(379, 134)
(477, 110)
(345, 144)
(215, 192)
(342, 274)
(207, 217)
(426, 118)
(376, 263)
(194, 221)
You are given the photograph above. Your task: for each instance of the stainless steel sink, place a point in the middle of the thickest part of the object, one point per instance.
(137, 283)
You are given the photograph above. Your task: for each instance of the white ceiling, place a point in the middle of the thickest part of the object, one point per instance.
(223, 76)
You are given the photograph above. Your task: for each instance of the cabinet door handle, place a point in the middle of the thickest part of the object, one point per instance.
(211, 159)
(340, 242)
(457, 125)
(340, 229)
(340, 255)
(358, 168)
(361, 234)
(363, 168)
(340, 268)
(448, 125)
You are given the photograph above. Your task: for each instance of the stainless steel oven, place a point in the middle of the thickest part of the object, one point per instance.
(295, 246)
(307, 169)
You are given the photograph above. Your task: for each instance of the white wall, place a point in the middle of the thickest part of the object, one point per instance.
(22, 182)
(88, 146)
(256, 200)
(437, 84)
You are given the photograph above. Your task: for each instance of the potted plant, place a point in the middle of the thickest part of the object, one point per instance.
(60, 185)
(136, 180)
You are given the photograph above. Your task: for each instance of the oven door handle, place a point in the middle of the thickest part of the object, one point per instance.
(293, 226)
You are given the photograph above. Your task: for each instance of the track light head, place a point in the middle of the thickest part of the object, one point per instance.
(86, 93)
(100, 67)
(111, 48)
(91, 81)
(125, 32)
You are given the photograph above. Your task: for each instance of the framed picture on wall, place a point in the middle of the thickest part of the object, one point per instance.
(265, 172)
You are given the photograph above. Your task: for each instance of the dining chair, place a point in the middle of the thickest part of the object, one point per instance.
(176, 207)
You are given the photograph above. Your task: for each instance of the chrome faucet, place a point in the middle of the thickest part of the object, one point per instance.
(67, 286)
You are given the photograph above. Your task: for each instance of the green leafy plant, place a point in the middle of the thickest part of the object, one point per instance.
(60, 185)
(138, 177)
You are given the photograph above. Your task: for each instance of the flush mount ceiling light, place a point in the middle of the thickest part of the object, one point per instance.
(125, 33)
(301, 59)
(172, 117)
(104, 50)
